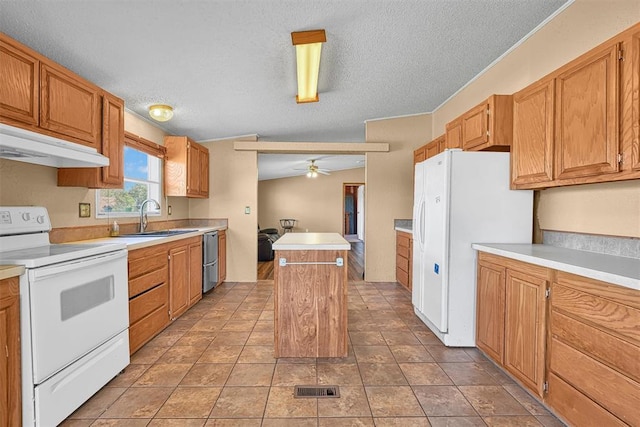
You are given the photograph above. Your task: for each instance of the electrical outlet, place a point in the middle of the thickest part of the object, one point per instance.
(84, 210)
(169, 210)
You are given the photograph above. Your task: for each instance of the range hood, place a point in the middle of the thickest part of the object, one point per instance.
(31, 147)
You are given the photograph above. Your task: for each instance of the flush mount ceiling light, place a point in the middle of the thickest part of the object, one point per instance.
(308, 47)
(161, 112)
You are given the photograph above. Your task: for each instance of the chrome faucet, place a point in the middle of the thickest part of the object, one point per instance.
(143, 216)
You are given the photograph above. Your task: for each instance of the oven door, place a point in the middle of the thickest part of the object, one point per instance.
(75, 307)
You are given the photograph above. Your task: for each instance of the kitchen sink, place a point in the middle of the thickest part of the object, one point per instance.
(158, 233)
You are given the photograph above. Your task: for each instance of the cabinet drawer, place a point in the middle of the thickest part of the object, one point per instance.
(148, 327)
(143, 261)
(403, 251)
(577, 408)
(403, 239)
(613, 391)
(610, 350)
(402, 277)
(144, 283)
(402, 263)
(605, 314)
(147, 303)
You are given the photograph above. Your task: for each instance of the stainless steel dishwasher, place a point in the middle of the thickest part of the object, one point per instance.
(209, 261)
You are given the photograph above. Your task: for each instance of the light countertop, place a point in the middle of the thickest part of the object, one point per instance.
(143, 242)
(405, 229)
(310, 242)
(617, 270)
(7, 271)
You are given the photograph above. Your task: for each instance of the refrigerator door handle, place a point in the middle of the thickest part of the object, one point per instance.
(422, 236)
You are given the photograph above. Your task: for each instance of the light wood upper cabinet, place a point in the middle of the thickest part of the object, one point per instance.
(431, 149)
(186, 168)
(532, 150)
(490, 310)
(420, 154)
(19, 83)
(453, 134)
(632, 132)
(586, 128)
(525, 328)
(113, 140)
(489, 125)
(10, 379)
(69, 105)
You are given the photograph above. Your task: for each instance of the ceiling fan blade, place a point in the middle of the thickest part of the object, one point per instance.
(323, 172)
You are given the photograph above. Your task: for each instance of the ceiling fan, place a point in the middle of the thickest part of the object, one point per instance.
(313, 170)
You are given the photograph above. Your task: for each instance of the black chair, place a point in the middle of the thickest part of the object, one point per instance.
(266, 237)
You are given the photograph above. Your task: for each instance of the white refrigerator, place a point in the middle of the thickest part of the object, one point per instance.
(460, 198)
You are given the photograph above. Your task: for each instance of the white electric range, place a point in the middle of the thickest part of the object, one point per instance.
(74, 314)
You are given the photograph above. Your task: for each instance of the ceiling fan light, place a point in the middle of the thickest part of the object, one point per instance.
(309, 174)
(314, 174)
(161, 112)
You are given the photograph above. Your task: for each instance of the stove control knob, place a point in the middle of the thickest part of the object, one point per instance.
(26, 216)
(40, 219)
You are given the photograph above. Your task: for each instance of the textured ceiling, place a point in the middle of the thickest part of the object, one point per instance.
(228, 66)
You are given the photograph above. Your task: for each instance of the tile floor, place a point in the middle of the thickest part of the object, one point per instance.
(214, 366)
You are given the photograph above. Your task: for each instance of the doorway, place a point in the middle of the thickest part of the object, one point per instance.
(353, 226)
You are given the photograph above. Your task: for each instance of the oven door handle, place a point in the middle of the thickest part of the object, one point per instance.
(78, 264)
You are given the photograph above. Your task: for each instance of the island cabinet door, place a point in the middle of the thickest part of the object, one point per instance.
(310, 304)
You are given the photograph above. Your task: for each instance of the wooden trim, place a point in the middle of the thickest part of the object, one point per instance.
(312, 147)
(308, 37)
(144, 145)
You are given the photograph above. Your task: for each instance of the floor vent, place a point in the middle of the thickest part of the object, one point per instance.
(316, 391)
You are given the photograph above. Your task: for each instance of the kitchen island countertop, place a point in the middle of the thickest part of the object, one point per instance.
(621, 271)
(311, 242)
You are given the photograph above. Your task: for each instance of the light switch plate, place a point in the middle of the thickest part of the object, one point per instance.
(84, 210)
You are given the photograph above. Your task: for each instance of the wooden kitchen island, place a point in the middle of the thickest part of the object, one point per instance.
(310, 280)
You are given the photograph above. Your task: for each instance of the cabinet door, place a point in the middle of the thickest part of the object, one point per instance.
(532, 150)
(222, 256)
(10, 395)
(193, 169)
(178, 280)
(195, 272)
(475, 127)
(525, 328)
(204, 172)
(113, 140)
(432, 149)
(420, 154)
(586, 125)
(453, 135)
(442, 143)
(635, 110)
(69, 106)
(490, 310)
(19, 84)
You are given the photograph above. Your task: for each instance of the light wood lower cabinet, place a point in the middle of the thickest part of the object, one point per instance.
(164, 281)
(511, 317)
(404, 262)
(222, 256)
(577, 350)
(148, 294)
(182, 292)
(310, 305)
(10, 389)
(594, 351)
